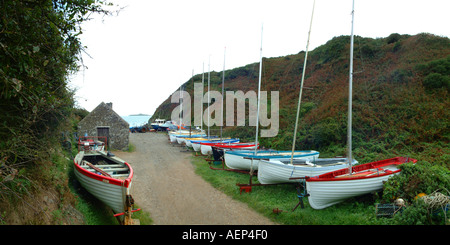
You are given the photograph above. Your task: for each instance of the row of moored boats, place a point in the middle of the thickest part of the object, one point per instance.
(328, 180)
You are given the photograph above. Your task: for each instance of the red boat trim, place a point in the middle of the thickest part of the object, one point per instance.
(332, 176)
(124, 183)
(229, 145)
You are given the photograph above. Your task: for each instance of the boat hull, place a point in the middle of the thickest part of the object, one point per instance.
(237, 146)
(219, 149)
(184, 139)
(276, 171)
(189, 139)
(206, 149)
(173, 136)
(180, 140)
(334, 187)
(196, 146)
(111, 191)
(247, 160)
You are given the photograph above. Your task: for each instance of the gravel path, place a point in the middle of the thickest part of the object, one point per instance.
(166, 186)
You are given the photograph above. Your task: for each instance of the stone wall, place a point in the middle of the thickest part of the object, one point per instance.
(104, 116)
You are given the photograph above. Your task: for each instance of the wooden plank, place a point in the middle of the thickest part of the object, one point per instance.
(99, 170)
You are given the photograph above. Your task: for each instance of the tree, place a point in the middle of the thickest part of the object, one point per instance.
(39, 48)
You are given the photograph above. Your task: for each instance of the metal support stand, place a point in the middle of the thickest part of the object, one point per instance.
(300, 197)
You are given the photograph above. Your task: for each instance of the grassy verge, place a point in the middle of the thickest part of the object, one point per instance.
(264, 199)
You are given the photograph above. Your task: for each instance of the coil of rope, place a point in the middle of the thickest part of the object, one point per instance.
(436, 200)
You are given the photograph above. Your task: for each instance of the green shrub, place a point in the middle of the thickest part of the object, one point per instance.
(415, 214)
(422, 177)
(436, 80)
(394, 37)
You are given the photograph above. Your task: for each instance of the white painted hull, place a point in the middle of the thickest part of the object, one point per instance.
(175, 136)
(205, 149)
(180, 140)
(333, 187)
(323, 194)
(238, 159)
(276, 171)
(172, 138)
(251, 147)
(189, 141)
(196, 146)
(238, 162)
(111, 191)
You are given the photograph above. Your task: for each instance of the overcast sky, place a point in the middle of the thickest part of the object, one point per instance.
(140, 56)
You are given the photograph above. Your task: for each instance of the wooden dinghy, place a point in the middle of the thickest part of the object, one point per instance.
(282, 171)
(328, 189)
(247, 159)
(106, 177)
(205, 146)
(197, 144)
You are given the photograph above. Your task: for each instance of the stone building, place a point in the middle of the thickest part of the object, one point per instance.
(103, 121)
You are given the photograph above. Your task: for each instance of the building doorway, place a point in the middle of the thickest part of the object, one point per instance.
(104, 132)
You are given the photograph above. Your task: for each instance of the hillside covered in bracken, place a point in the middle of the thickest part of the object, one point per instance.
(400, 97)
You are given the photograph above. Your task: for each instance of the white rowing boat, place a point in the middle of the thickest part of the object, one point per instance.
(106, 177)
(331, 188)
(247, 159)
(282, 171)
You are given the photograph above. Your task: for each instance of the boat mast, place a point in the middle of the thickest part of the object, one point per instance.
(201, 104)
(350, 82)
(301, 85)
(181, 106)
(223, 84)
(190, 124)
(209, 76)
(259, 98)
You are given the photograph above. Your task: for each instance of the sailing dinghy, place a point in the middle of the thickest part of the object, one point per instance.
(182, 139)
(278, 171)
(331, 188)
(249, 160)
(283, 170)
(219, 148)
(188, 140)
(105, 176)
(197, 143)
(206, 146)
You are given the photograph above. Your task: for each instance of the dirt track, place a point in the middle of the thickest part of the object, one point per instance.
(166, 186)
